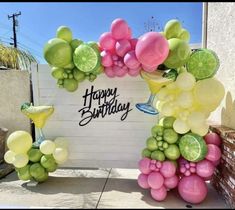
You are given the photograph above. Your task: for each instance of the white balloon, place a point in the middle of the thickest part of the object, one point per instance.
(167, 109)
(196, 119)
(185, 99)
(9, 156)
(181, 126)
(60, 155)
(47, 147)
(201, 130)
(20, 160)
(185, 81)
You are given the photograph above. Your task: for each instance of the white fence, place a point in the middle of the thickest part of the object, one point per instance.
(103, 142)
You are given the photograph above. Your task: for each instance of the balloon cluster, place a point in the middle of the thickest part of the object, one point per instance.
(33, 163)
(157, 176)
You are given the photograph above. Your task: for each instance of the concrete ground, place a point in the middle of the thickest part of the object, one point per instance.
(98, 188)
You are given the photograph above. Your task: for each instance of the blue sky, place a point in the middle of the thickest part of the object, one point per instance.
(39, 21)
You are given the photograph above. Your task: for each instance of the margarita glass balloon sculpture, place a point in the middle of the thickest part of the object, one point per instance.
(39, 116)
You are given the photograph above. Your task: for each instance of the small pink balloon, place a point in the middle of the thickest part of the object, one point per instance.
(159, 164)
(106, 41)
(129, 33)
(106, 59)
(192, 164)
(192, 170)
(182, 169)
(153, 161)
(149, 68)
(214, 152)
(216, 163)
(171, 182)
(143, 181)
(130, 60)
(155, 180)
(115, 57)
(152, 167)
(119, 29)
(122, 47)
(159, 194)
(134, 72)
(205, 168)
(109, 72)
(133, 43)
(187, 166)
(182, 161)
(120, 72)
(152, 49)
(192, 189)
(168, 169)
(212, 138)
(144, 165)
(187, 173)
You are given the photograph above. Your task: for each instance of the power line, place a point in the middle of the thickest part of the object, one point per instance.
(14, 24)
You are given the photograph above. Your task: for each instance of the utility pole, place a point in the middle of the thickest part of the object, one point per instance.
(15, 24)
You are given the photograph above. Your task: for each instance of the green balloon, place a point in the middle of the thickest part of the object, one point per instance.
(47, 161)
(64, 32)
(78, 75)
(146, 153)
(57, 73)
(172, 152)
(36, 170)
(52, 168)
(75, 43)
(34, 155)
(42, 178)
(170, 136)
(168, 122)
(152, 144)
(24, 174)
(184, 35)
(158, 155)
(70, 85)
(172, 29)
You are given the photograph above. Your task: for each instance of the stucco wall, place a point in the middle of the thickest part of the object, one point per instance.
(14, 90)
(221, 39)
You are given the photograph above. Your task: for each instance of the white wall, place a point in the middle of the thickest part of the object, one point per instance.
(221, 39)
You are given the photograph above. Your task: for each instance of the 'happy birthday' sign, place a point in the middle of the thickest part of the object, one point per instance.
(107, 104)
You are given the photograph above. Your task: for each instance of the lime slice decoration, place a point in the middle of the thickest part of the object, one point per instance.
(85, 58)
(192, 147)
(203, 63)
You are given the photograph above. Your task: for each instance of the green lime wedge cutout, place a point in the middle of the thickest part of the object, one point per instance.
(203, 63)
(85, 58)
(192, 147)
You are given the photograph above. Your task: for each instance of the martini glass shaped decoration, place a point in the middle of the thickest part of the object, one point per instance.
(155, 80)
(39, 116)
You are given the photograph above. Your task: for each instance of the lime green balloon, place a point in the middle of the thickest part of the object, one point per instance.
(61, 142)
(52, 167)
(70, 85)
(34, 155)
(20, 160)
(9, 156)
(19, 142)
(179, 53)
(42, 178)
(47, 147)
(75, 43)
(70, 66)
(172, 29)
(60, 155)
(184, 35)
(64, 32)
(36, 170)
(78, 75)
(47, 161)
(57, 73)
(24, 174)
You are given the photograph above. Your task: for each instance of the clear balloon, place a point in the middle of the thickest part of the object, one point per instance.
(60, 155)
(185, 81)
(47, 147)
(106, 41)
(120, 29)
(201, 129)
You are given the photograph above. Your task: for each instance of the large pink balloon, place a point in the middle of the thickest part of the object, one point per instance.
(152, 49)
(106, 59)
(159, 194)
(155, 180)
(149, 68)
(212, 138)
(133, 43)
(131, 61)
(168, 169)
(144, 165)
(119, 29)
(171, 182)
(192, 189)
(143, 181)
(214, 152)
(122, 47)
(109, 72)
(106, 41)
(205, 168)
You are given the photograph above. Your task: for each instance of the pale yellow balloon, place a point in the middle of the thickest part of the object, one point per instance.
(47, 147)
(167, 109)
(9, 156)
(185, 81)
(183, 114)
(181, 126)
(20, 160)
(60, 155)
(161, 95)
(201, 130)
(19, 142)
(195, 119)
(61, 142)
(185, 99)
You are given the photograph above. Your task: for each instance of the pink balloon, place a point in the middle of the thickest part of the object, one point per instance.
(168, 169)
(131, 61)
(143, 181)
(207, 178)
(214, 152)
(122, 47)
(134, 72)
(205, 168)
(159, 194)
(155, 180)
(106, 59)
(152, 49)
(109, 72)
(171, 182)
(192, 189)
(212, 138)
(216, 163)
(119, 29)
(120, 72)
(149, 68)
(133, 43)
(115, 57)
(106, 41)
(144, 165)
(129, 33)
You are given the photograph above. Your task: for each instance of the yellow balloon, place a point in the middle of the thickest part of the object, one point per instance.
(60, 155)
(19, 142)
(185, 99)
(61, 142)
(183, 114)
(195, 119)
(181, 126)
(167, 109)
(201, 130)
(47, 147)
(9, 156)
(20, 160)
(185, 81)
(163, 92)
